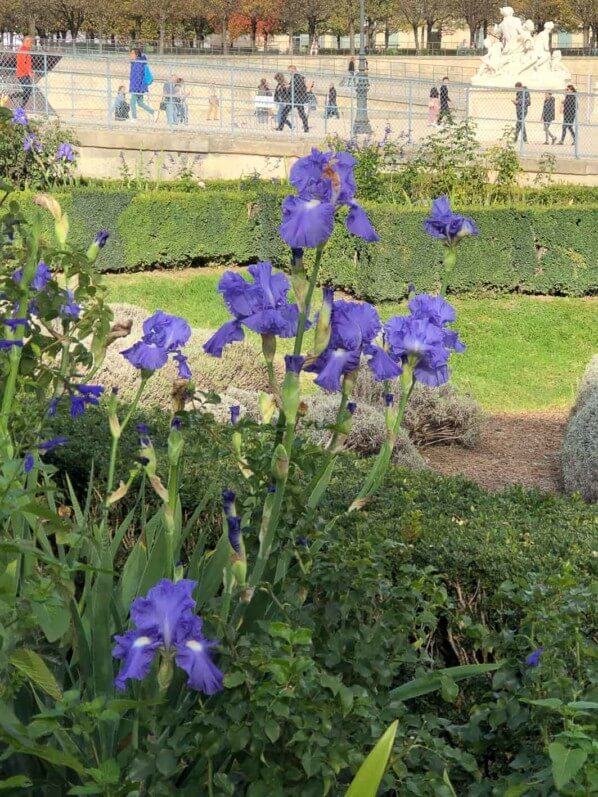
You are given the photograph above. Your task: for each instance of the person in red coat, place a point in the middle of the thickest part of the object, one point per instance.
(24, 72)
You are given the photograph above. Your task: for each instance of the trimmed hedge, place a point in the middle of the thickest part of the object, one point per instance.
(539, 249)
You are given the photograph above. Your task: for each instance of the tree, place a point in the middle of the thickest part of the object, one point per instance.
(411, 11)
(223, 10)
(475, 13)
(541, 11)
(69, 14)
(586, 12)
(344, 19)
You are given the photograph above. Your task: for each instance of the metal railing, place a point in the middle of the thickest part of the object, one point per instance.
(222, 97)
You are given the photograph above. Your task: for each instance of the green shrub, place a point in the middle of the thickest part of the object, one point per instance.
(588, 386)
(545, 250)
(580, 450)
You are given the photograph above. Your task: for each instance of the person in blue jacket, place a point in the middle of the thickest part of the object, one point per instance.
(139, 80)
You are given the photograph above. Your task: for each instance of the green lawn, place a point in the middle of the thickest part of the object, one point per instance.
(524, 352)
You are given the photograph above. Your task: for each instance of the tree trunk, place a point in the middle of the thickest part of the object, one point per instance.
(386, 35)
(352, 37)
(162, 33)
(291, 41)
(429, 26)
(224, 36)
(311, 28)
(416, 35)
(31, 25)
(253, 34)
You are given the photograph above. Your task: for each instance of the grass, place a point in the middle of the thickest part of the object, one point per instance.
(524, 352)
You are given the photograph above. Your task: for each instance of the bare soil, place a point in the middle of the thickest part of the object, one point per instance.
(516, 448)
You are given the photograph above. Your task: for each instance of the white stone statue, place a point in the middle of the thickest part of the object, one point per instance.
(517, 54)
(491, 61)
(542, 46)
(510, 31)
(558, 67)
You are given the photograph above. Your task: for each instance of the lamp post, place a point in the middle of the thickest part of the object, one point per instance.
(361, 123)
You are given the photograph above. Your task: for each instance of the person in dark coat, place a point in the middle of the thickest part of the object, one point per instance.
(521, 102)
(298, 92)
(548, 114)
(282, 98)
(569, 113)
(331, 104)
(138, 85)
(445, 102)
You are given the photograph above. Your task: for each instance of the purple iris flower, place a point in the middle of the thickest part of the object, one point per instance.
(52, 407)
(324, 182)
(228, 499)
(13, 323)
(294, 363)
(28, 463)
(182, 362)
(234, 532)
(19, 117)
(437, 311)
(89, 394)
(165, 622)
(533, 660)
(354, 326)
(41, 278)
(447, 226)
(389, 399)
(70, 308)
(261, 306)
(48, 445)
(65, 153)
(163, 334)
(419, 343)
(101, 238)
(235, 411)
(8, 344)
(351, 407)
(176, 423)
(31, 143)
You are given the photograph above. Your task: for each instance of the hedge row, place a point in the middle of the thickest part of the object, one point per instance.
(544, 250)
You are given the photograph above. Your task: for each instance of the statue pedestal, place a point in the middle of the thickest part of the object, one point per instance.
(542, 80)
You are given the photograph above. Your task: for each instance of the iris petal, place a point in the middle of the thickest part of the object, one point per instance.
(136, 650)
(228, 333)
(306, 223)
(193, 656)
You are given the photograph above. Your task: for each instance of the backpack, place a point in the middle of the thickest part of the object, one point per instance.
(148, 78)
(122, 111)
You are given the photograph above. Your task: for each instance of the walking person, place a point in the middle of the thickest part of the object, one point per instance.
(298, 92)
(331, 104)
(24, 73)
(569, 113)
(548, 115)
(120, 107)
(351, 71)
(213, 105)
(140, 79)
(433, 107)
(262, 110)
(521, 102)
(445, 103)
(168, 102)
(282, 98)
(181, 100)
(312, 102)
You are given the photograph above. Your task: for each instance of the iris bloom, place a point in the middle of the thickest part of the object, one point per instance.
(31, 142)
(354, 327)
(165, 624)
(65, 153)
(163, 335)
(439, 312)
(70, 308)
(19, 117)
(261, 306)
(41, 278)
(422, 339)
(324, 182)
(88, 394)
(447, 226)
(101, 238)
(533, 660)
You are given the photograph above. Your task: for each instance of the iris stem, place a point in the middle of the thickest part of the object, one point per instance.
(382, 461)
(113, 454)
(450, 260)
(304, 313)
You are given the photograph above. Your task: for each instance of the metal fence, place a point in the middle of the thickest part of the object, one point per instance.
(222, 98)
